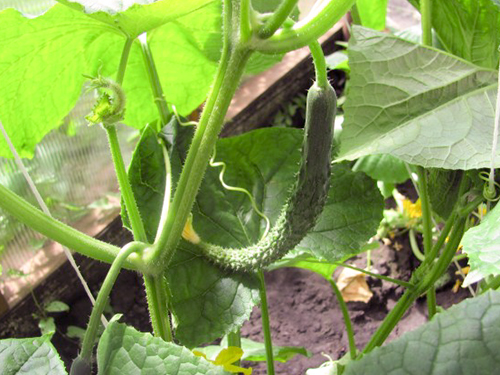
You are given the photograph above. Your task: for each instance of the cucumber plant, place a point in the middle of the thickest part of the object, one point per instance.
(199, 239)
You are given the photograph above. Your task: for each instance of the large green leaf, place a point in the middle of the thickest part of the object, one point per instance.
(41, 69)
(42, 62)
(482, 245)
(462, 340)
(423, 106)
(135, 17)
(468, 28)
(372, 13)
(123, 350)
(206, 301)
(351, 216)
(33, 356)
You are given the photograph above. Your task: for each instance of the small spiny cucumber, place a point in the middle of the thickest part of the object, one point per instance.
(308, 197)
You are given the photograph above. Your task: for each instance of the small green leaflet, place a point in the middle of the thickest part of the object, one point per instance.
(33, 356)
(383, 167)
(462, 340)
(482, 245)
(441, 116)
(135, 17)
(122, 350)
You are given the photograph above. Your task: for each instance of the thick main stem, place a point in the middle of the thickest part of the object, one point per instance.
(209, 127)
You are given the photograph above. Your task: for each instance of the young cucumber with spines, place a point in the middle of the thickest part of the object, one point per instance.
(308, 197)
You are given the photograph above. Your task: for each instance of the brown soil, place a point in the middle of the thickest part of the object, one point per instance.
(303, 311)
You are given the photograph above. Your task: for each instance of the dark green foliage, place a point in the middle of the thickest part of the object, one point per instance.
(308, 198)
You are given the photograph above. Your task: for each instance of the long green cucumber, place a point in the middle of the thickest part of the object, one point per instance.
(308, 197)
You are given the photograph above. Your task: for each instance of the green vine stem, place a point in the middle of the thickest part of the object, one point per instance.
(157, 304)
(125, 188)
(427, 232)
(231, 67)
(277, 19)
(266, 328)
(305, 31)
(58, 231)
(154, 81)
(319, 64)
(234, 339)
(347, 320)
(426, 19)
(414, 246)
(102, 297)
(427, 274)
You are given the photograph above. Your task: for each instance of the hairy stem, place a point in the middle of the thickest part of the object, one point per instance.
(265, 324)
(57, 231)
(277, 19)
(102, 297)
(125, 188)
(226, 82)
(305, 31)
(154, 82)
(156, 293)
(347, 320)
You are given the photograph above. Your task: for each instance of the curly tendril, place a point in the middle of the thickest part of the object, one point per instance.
(110, 106)
(216, 164)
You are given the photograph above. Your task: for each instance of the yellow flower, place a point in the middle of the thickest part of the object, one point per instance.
(226, 358)
(412, 210)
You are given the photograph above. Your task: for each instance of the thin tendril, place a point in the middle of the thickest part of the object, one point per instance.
(217, 164)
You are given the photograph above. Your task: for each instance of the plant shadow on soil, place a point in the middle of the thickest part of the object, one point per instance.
(303, 310)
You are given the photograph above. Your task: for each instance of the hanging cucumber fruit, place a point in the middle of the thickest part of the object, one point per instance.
(310, 192)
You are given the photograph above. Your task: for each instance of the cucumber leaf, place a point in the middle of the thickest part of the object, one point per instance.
(482, 245)
(441, 116)
(443, 186)
(462, 340)
(133, 18)
(351, 216)
(126, 351)
(34, 356)
(206, 301)
(469, 29)
(372, 13)
(37, 92)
